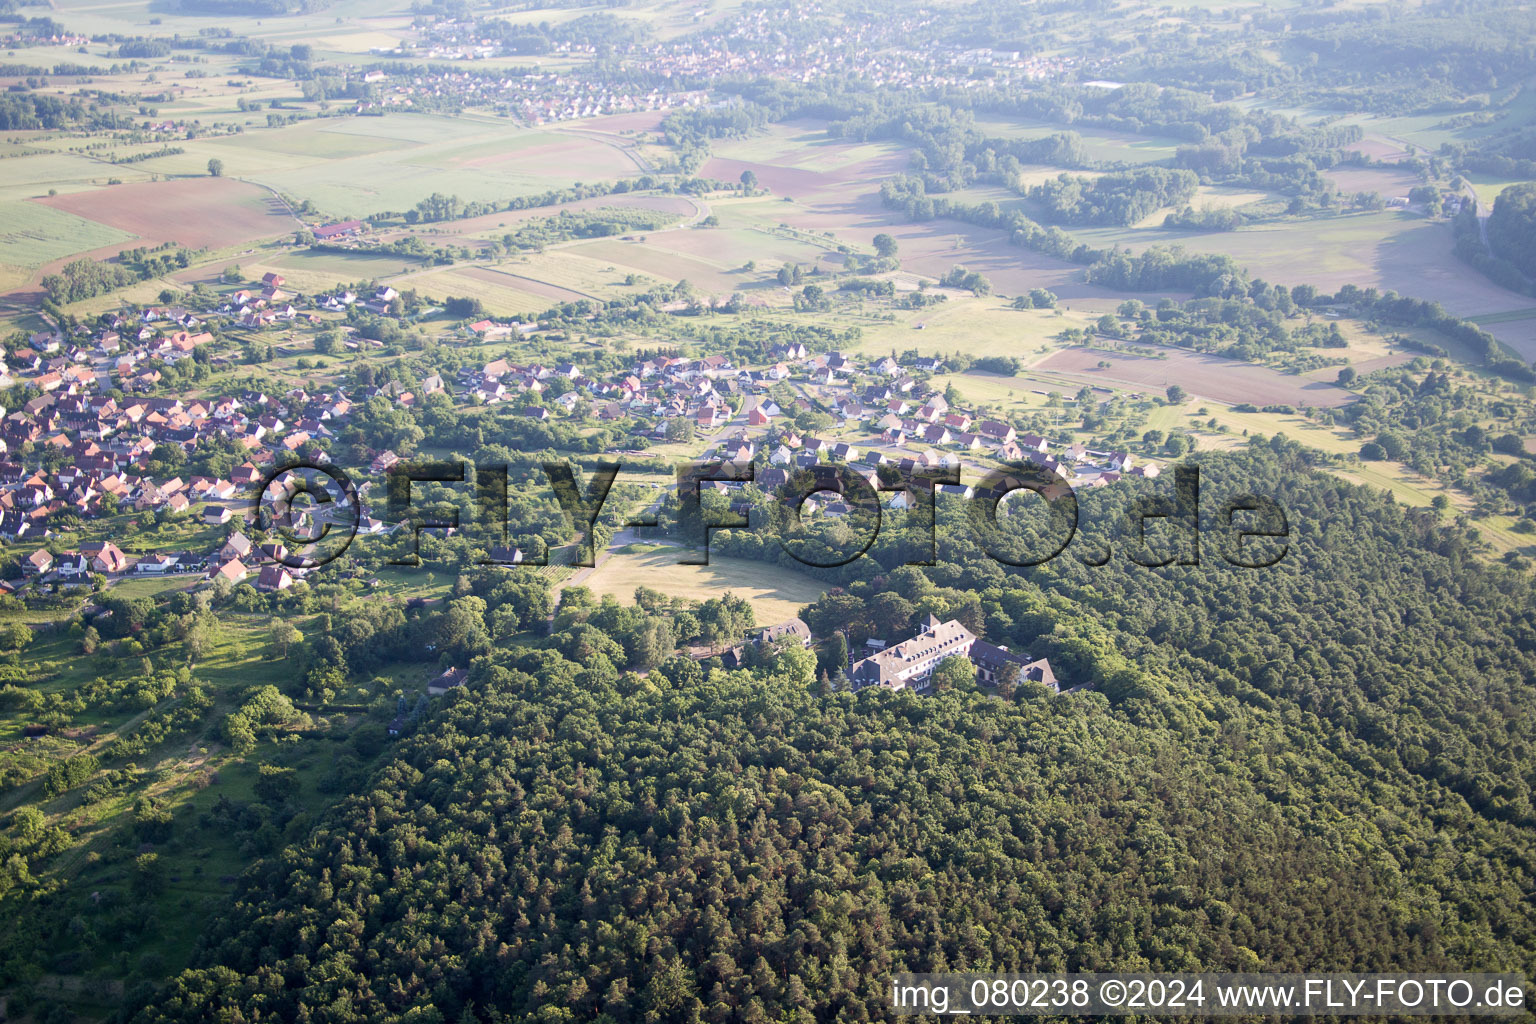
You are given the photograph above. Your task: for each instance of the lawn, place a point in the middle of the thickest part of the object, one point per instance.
(150, 586)
(986, 389)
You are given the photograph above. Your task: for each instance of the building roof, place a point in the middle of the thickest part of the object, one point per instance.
(274, 577)
(779, 630)
(345, 227)
(912, 660)
(234, 569)
(448, 679)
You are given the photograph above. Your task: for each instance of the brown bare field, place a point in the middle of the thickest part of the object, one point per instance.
(1206, 376)
(796, 159)
(797, 182)
(1379, 147)
(1389, 181)
(205, 213)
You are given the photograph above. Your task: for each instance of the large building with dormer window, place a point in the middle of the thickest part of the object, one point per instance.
(911, 662)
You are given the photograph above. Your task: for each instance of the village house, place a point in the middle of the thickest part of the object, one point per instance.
(273, 578)
(105, 557)
(72, 564)
(237, 546)
(448, 679)
(155, 565)
(233, 570)
(795, 628)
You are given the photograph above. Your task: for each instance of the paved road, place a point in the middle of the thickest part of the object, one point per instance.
(623, 145)
(622, 538)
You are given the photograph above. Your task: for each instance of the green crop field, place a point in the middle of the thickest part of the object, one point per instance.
(1504, 318)
(360, 166)
(802, 144)
(32, 234)
(1402, 251)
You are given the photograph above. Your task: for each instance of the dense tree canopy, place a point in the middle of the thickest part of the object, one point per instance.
(1512, 227)
(1315, 766)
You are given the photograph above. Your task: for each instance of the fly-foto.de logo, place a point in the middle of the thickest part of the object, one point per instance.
(1021, 516)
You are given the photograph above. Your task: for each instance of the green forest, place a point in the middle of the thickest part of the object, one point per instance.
(1321, 765)
(1512, 227)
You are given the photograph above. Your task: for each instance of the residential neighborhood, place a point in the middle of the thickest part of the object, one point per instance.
(95, 432)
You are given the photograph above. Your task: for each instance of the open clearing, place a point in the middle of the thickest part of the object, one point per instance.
(1224, 380)
(506, 278)
(1100, 143)
(564, 268)
(775, 593)
(310, 271)
(1488, 186)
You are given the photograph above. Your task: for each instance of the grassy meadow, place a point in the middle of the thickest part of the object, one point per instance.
(775, 593)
